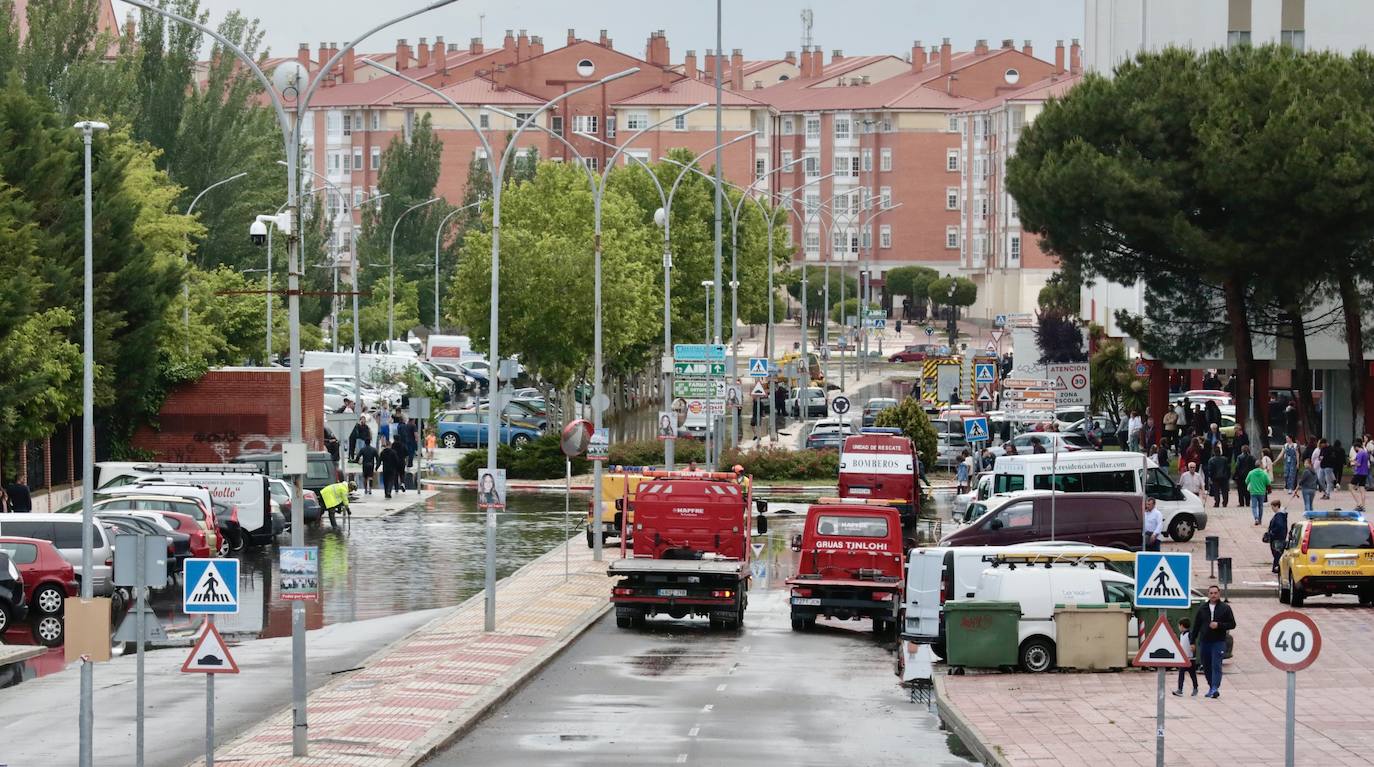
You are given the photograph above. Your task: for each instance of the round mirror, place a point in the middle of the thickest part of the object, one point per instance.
(576, 436)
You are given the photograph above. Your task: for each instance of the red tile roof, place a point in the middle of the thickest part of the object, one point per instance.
(1050, 87)
(474, 91)
(686, 92)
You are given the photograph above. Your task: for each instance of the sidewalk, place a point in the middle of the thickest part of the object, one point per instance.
(419, 693)
(378, 505)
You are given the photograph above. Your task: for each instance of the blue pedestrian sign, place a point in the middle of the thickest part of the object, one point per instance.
(210, 586)
(984, 372)
(1000, 321)
(758, 367)
(976, 429)
(1163, 580)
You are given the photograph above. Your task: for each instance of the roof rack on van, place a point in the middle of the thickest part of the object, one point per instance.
(198, 468)
(880, 430)
(1048, 560)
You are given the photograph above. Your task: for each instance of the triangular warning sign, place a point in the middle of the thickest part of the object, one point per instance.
(997, 336)
(984, 393)
(991, 347)
(210, 655)
(758, 391)
(758, 548)
(1162, 583)
(1060, 383)
(1161, 648)
(210, 589)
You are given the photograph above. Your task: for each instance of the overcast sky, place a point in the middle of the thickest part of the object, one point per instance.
(762, 28)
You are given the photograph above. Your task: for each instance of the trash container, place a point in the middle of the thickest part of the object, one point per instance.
(981, 633)
(1091, 637)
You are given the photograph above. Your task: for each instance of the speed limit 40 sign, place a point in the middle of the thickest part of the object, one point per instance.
(1290, 641)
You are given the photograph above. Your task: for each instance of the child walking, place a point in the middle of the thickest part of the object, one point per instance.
(1183, 625)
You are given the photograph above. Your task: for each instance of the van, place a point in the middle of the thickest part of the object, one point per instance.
(439, 347)
(1094, 472)
(64, 531)
(319, 469)
(1038, 589)
(242, 488)
(1098, 519)
(939, 574)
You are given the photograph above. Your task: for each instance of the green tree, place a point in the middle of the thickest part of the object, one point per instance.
(911, 418)
(965, 291)
(1059, 338)
(1061, 292)
(816, 280)
(374, 311)
(1115, 387)
(912, 282)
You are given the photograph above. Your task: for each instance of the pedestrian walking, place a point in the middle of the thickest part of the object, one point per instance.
(1211, 623)
(361, 435)
(1219, 477)
(1190, 654)
(1359, 474)
(430, 444)
(1171, 428)
(1214, 438)
(1162, 456)
(1244, 463)
(1241, 439)
(392, 464)
(1339, 459)
(367, 459)
(19, 499)
(1194, 454)
(331, 445)
(1257, 484)
(1308, 483)
(383, 427)
(1192, 481)
(1290, 463)
(1133, 431)
(961, 473)
(1154, 526)
(1327, 464)
(1277, 533)
(1266, 462)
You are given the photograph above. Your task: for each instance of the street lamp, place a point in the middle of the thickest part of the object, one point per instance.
(952, 326)
(291, 76)
(391, 273)
(185, 285)
(710, 416)
(438, 235)
(88, 129)
(261, 228)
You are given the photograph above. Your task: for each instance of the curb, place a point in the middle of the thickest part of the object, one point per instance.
(970, 735)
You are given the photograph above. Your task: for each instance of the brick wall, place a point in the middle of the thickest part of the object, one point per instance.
(232, 411)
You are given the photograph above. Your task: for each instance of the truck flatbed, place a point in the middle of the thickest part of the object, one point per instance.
(632, 566)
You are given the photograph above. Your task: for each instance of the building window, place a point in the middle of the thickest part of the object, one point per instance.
(637, 121)
(636, 154)
(885, 160)
(841, 165)
(788, 126)
(1012, 209)
(953, 124)
(813, 242)
(347, 161)
(867, 157)
(836, 242)
(951, 198)
(867, 243)
(1293, 38)
(982, 203)
(376, 157)
(952, 237)
(854, 166)
(348, 125)
(813, 202)
(376, 120)
(952, 160)
(332, 121)
(679, 122)
(813, 127)
(884, 236)
(357, 196)
(787, 161)
(358, 159)
(610, 126)
(841, 127)
(1014, 247)
(591, 162)
(1018, 120)
(584, 124)
(760, 168)
(978, 246)
(841, 205)
(556, 125)
(866, 195)
(886, 125)
(885, 197)
(813, 165)
(1239, 22)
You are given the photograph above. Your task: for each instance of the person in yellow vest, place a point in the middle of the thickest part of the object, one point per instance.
(335, 498)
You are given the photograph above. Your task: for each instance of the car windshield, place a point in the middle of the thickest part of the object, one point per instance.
(1076, 441)
(1341, 536)
(852, 527)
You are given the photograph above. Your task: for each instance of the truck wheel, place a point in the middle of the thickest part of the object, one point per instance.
(1182, 528)
(625, 617)
(1296, 595)
(639, 619)
(1037, 655)
(802, 623)
(717, 623)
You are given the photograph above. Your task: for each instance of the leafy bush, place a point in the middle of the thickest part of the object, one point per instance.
(540, 459)
(649, 452)
(779, 463)
(912, 420)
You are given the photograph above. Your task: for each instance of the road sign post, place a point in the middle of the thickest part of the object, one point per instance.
(1290, 642)
(1161, 650)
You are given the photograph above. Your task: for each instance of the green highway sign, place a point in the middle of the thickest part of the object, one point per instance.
(695, 388)
(699, 369)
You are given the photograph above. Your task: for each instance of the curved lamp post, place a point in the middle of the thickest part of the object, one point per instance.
(391, 272)
(185, 285)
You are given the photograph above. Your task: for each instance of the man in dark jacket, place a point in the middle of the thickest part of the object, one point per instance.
(1211, 623)
(367, 459)
(1244, 463)
(331, 444)
(18, 493)
(1219, 474)
(392, 464)
(361, 435)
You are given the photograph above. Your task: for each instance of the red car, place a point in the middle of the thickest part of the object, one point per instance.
(916, 353)
(48, 581)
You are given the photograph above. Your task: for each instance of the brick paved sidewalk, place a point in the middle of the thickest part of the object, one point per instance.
(415, 695)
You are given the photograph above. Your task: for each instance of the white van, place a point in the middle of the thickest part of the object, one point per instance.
(1038, 589)
(449, 348)
(243, 486)
(64, 531)
(939, 574)
(1109, 472)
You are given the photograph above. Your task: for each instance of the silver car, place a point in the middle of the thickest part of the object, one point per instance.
(64, 531)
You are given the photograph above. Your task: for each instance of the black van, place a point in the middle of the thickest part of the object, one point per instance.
(320, 469)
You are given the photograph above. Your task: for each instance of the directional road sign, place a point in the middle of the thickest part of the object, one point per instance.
(840, 405)
(1162, 580)
(699, 352)
(210, 655)
(1290, 641)
(698, 369)
(758, 367)
(976, 429)
(984, 372)
(1161, 648)
(210, 586)
(698, 388)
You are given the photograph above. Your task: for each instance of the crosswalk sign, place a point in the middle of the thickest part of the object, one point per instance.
(976, 429)
(758, 367)
(1163, 580)
(984, 372)
(210, 586)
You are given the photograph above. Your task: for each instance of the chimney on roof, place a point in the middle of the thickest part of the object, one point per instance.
(1059, 57)
(980, 48)
(1008, 44)
(1026, 48)
(130, 28)
(836, 55)
(708, 70)
(605, 41)
(335, 74)
(1075, 57)
(402, 55)
(350, 64)
(536, 46)
(758, 85)
(499, 77)
(790, 57)
(918, 57)
(522, 46)
(439, 54)
(508, 42)
(689, 65)
(946, 54)
(737, 70)
(303, 56)
(817, 60)
(934, 55)
(322, 55)
(453, 47)
(475, 46)
(572, 36)
(422, 53)
(656, 51)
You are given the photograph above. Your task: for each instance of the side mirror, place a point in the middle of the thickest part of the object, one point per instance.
(762, 524)
(796, 542)
(620, 504)
(761, 506)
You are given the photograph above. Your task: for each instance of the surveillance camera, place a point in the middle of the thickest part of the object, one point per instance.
(257, 232)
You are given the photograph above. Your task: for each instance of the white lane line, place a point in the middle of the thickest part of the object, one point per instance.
(706, 709)
(720, 688)
(746, 648)
(692, 733)
(681, 758)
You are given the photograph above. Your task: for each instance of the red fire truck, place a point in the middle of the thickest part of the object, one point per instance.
(879, 464)
(851, 564)
(690, 549)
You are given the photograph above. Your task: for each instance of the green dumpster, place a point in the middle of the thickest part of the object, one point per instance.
(1148, 616)
(981, 633)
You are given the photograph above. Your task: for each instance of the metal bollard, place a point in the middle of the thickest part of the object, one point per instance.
(1224, 576)
(1213, 544)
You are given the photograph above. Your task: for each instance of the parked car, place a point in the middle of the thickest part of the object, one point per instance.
(829, 433)
(469, 428)
(459, 381)
(1326, 553)
(222, 532)
(281, 494)
(1201, 396)
(49, 580)
(12, 605)
(1105, 428)
(918, 353)
(516, 413)
(875, 406)
(814, 398)
(151, 523)
(63, 531)
(1098, 519)
(1025, 443)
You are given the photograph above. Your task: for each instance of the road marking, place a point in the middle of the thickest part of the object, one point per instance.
(746, 648)
(706, 709)
(732, 669)
(681, 758)
(720, 688)
(692, 733)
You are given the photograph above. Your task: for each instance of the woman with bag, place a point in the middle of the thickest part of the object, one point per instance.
(1277, 533)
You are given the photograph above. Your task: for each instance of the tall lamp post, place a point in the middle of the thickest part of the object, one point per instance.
(186, 286)
(438, 237)
(391, 272)
(290, 78)
(87, 714)
(270, 291)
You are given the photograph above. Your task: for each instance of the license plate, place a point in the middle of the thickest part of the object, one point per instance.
(806, 601)
(672, 592)
(1348, 562)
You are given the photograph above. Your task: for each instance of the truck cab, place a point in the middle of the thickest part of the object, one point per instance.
(879, 464)
(851, 565)
(616, 505)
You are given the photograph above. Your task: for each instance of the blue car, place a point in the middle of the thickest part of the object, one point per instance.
(464, 429)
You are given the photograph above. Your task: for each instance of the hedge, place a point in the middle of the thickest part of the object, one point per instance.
(649, 452)
(769, 464)
(540, 459)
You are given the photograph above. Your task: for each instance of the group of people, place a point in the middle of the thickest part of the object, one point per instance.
(15, 497)
(392, 449)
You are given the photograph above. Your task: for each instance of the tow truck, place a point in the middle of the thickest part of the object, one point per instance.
(688, 553)
(879, 464)
(850, 566)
